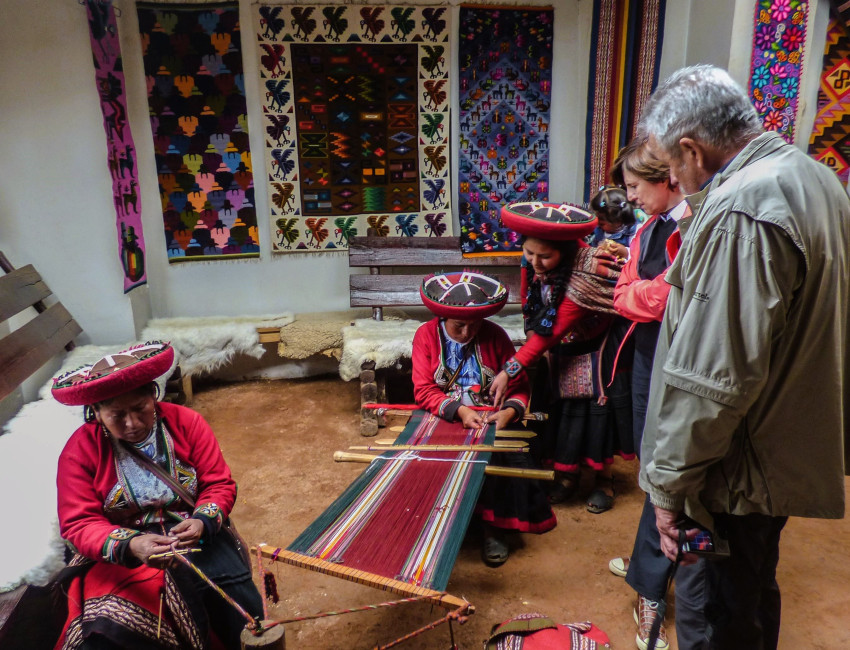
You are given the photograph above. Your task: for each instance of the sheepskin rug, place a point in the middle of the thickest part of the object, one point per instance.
(388, 341)
(207, 344)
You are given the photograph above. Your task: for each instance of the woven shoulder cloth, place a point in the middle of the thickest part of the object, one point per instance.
(538, 632)
(595, 274)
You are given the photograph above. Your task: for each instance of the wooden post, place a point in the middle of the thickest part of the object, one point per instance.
(272, 639)
(368, 393)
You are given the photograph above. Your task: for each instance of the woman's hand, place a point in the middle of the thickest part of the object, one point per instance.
(188, 532)
(615, 249)
(143, 546)
(498, 388)
(471, 419)
(502, 418)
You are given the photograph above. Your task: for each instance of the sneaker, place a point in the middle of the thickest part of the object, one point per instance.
(645, 614)
(619, 566)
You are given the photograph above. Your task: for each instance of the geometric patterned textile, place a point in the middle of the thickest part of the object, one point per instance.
(196, 94)
(121, 156)
(505, 79)
(777, 63)
(830, 140)
(406, 515)
(625, 55)
(356, 122)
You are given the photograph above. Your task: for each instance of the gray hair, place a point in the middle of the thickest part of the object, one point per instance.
(704, 103)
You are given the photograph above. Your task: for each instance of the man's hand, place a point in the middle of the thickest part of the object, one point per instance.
(667, 523)
(143, 546)
(498, 388)
(188, 532)
(502, 418)
(471, 419)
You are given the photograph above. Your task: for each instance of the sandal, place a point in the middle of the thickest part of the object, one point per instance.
(598, 501)
(565, 487)
(495, 551)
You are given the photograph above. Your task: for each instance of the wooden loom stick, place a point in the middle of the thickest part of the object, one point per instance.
(501, 433)
(489, 449)
(507, 444)
(491, 470)
(391, 411)
(440, 598)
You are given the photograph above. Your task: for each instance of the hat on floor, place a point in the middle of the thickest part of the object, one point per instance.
(463, 295)
(552, 221)
(114, 374)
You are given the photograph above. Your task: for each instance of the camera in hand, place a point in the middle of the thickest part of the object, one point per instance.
(707, 545)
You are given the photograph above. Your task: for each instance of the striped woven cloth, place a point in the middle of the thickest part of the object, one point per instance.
(405, 516)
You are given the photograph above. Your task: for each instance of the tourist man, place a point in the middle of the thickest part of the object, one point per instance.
(749, 404)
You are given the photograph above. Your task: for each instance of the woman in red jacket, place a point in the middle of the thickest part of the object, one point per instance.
(138, 480)
(455, 357)
(567, 289)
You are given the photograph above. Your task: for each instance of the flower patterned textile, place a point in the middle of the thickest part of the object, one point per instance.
(777, 63)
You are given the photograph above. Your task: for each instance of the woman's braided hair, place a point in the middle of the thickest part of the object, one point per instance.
(539, 315)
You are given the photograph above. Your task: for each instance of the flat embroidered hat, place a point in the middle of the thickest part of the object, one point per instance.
(114, 374)
(552, 221)
(463, 295)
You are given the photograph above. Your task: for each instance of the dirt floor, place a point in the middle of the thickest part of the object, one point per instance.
(279, 438)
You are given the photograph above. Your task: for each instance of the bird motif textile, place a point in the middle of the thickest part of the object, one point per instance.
(356, 116)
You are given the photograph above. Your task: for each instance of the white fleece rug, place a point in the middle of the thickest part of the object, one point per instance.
(207, 344)
(388, 341)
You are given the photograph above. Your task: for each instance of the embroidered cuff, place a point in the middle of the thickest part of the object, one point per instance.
(448, 409)
(116, 544)
(512, 367)
(212, 517)
(517, 406)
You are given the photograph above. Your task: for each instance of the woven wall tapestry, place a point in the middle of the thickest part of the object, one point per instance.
(777, 63)
(625, 54)
(121, 152)
(196, 93)
(505, 77)
(830, 139)
(356, 115)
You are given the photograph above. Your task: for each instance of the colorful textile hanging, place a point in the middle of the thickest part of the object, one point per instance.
(196, 93)
(625, 55)
(121, 152)
(505, 93)
(777, 63)
(405, 516)
(356, 111)
(830, 139)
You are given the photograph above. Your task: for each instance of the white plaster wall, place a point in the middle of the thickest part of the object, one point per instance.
(56, 207)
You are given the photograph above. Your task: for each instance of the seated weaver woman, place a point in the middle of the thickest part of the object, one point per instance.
(455, 357)
(140, 479)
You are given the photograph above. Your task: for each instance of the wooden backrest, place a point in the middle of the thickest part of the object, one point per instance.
(28, 348)
(436, 253)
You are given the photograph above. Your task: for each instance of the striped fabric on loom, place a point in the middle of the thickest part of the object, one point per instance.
(404, 518)
(624, 60)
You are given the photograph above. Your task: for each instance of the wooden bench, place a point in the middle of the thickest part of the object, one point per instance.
(390, 283)
(24, 619)
(379, 289)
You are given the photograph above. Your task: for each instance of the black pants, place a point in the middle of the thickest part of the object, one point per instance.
(743, 604)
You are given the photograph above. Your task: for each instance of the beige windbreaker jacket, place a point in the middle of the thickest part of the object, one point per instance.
(748, 407)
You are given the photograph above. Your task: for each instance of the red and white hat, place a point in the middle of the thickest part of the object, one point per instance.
(552, 221)
(114, 374)
(463, 295)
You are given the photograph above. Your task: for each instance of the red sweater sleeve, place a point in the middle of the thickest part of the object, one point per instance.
(568, 315)
(426, 358)
(642, 301)
(519, 387)
(81, 518)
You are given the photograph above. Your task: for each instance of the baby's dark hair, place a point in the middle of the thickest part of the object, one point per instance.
(612, 205)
